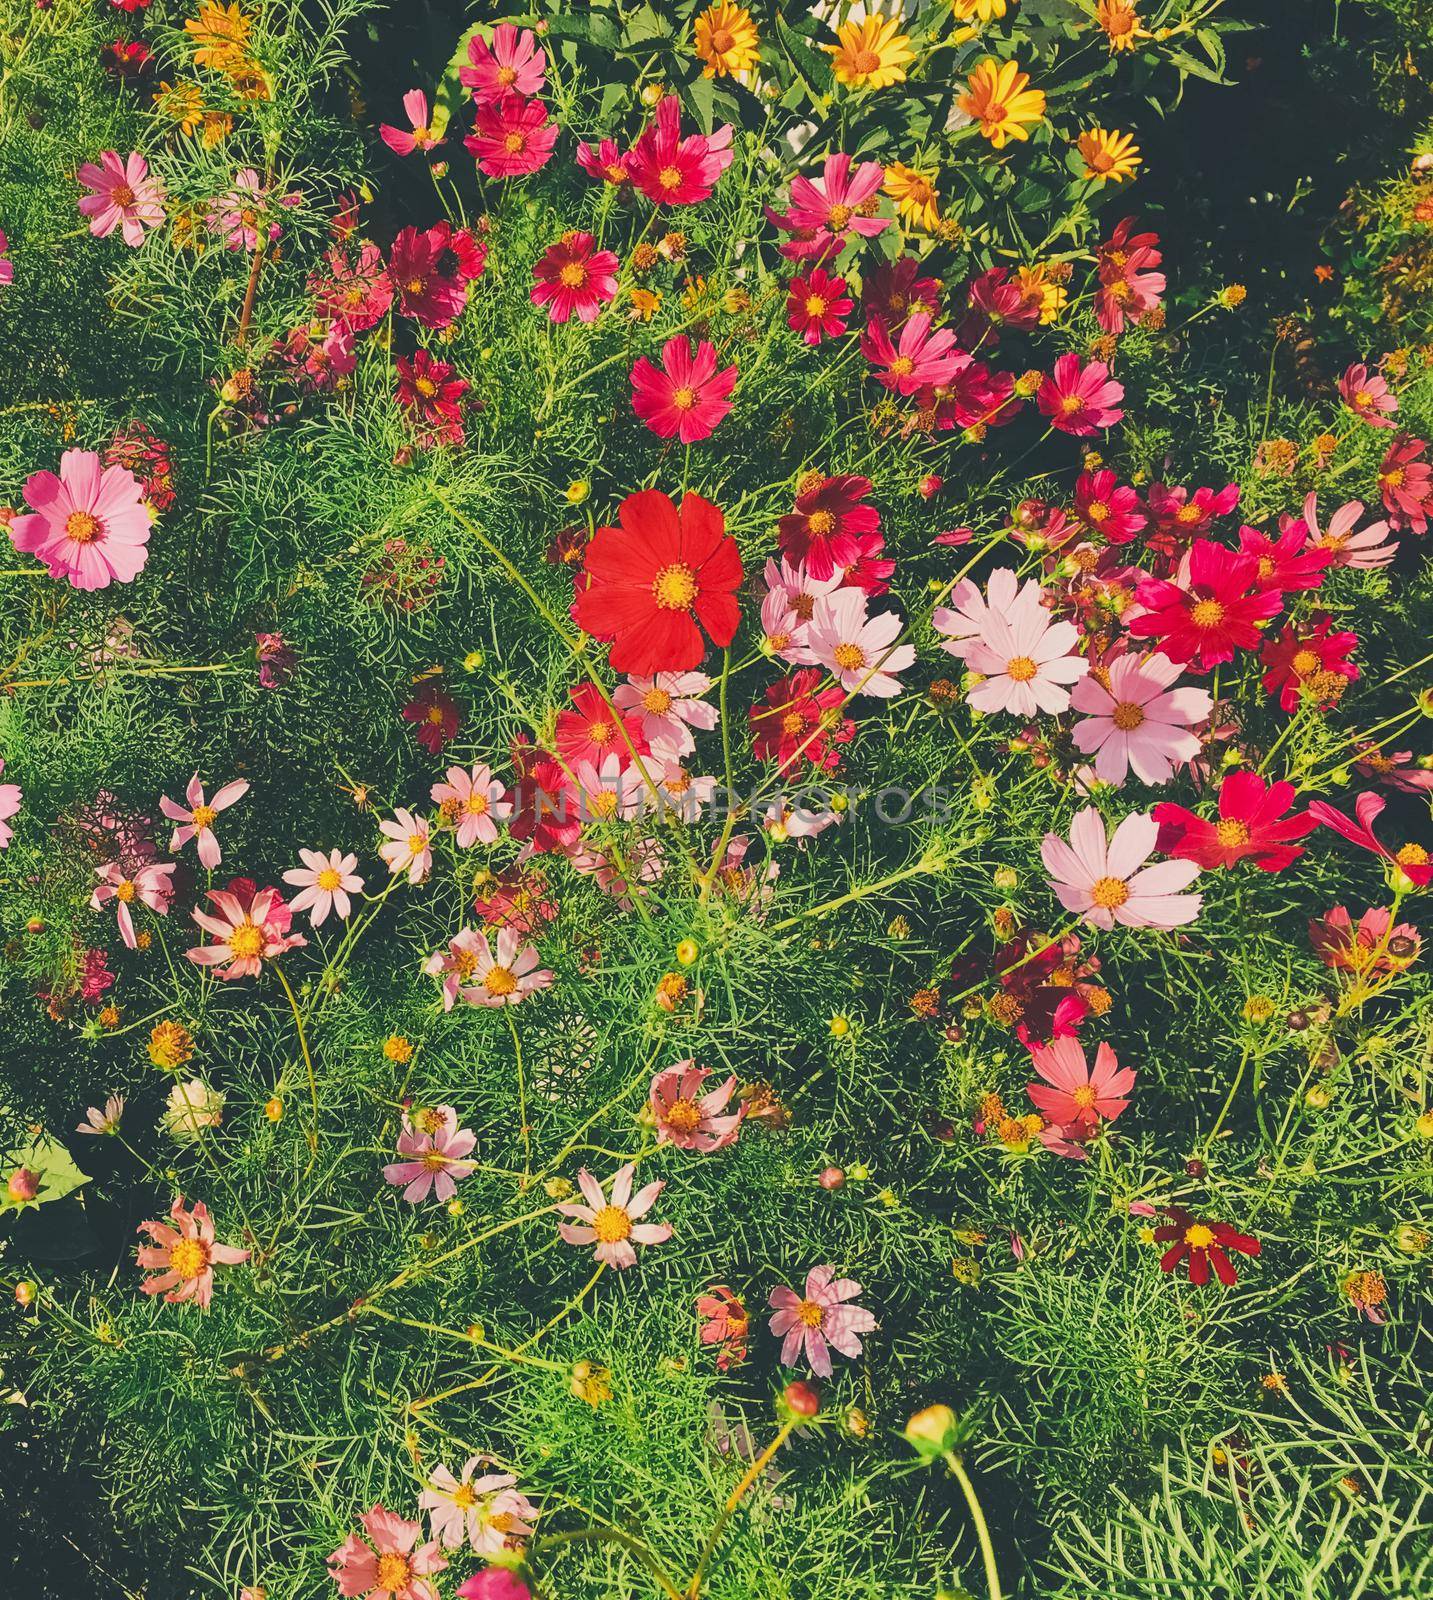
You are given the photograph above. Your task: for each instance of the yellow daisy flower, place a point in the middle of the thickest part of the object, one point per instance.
(1120, 21)
(1113, 155)
(872, 54)
(1038, 288)
(726, 40)
(914, 195)
(980, 10)
(220, 35)
(997, 98)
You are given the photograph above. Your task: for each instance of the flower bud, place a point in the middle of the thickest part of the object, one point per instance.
(839, 1026)
(929, 486)
(930, 1433)
(687, 952)
(23, 1185)
(801, 1399)
(831, 1178)
(35, 925)
(25, 1292)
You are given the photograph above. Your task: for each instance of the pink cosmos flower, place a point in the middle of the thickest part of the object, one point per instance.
(404, 141)
(1073, 1096)
(325, 883)
(1368, 396)
(1406, 482)
(820, 1320)
(198, 815)
(1370, 947)
(670, 709)
(688, 1118)
(1413, 861)
(431, 269)
(90, 525)
(409, 848)
(488, 1511)
(1365, 549)
(610, 789)
(239, 215)
(7, 267)
(817, 306)
(125, 196)
(920, 359)
(1106, 881)
(1135, 718)
(512, 64)
(1080, 400)
(505, 973)
(184, 1255)
(455, 965)
(246, 933)
(149, 884)
(606, 163)
(672, 170)
(1024, 656)
(474, 802)
(357, 293)
(686, 397)
(823, 212)
(574, 277)
(971, 613)
(614, 1224)
(393, 1566)
(858, 650)
(432, 1148)
(104, 1122)
(511, 137)
(1392, 768)
(1107, 508)
(1252, 823)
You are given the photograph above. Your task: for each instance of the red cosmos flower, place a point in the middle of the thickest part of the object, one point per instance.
(653, 584)
(1080, 400)
(1286, 562)
(801, 721)
(1107, 508)
(995, 302)
(1202, 1244)
(436, 715)
(606, 163)
(1211, 614)
(1129, 286)
(1368, 396)
(817, 306)
(574, 276)
(514, 898)
(126, 58)
(356, 293)
(674, 171)
(1252, 822)
(896, 288)
(870, 570)
(511, 137)
(429, 390)
(724, 1322)
(1406, 481)
(1368, 949)
(431, 272)
(593, 730)
(1312, 666)
(138, 449)
(1046, 987)
(686, 396)
(919, 359)
(1180, 517)
(976, 398)
(823, 531)
(1413, 861)
(547, 815)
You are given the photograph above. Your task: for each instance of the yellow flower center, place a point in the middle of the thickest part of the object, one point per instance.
(464, 1497)
(1198, 1237)
(500, 980)
(599, 732)
(815, 306)
(1022, 669)
(902, 366)
(810, 1314)
(1231, 833)
(417, 843)
(684, 1116)
(329, 879)
(603, 804)
(838, 216)
(122, 195)
(1412, 855)
(611, 1225)
(203, 816)
(426, 387)
(515, 143)
(865, 62)
(507, 76)
(792, 724)
(393, 1571)
(464, 961)
(247, 941)
(674, 588)
(1096, 511)
(684, 399)
(1071, 403)
(125, 892)
(669, 178)
(1363, 399)
(82, 527)
(476, 805)
(1128, 716)
(1207, 614)
(189, 1257)
(849, 657)
(1084, 1097)
(434, 1160)
(573, 275)
(1393, 478)
(1109, 893)
(1305, 662)
(657, 701)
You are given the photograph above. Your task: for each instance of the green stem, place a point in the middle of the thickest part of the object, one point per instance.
(977, 1516)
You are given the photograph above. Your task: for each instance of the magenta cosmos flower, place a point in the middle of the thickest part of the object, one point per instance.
(196, 817)
(823, 212)
(183, 1255)
(672, 170)
(1367, 395)
(688, 1118)
(512, 64)
(511, 137)
(1136, 720)
(432, 1150)
(90, 525)
(418, 135)
(125, 196)
(149, 885)
(1080, 400)
(10, 798)
(686, 396)
(409, 846)
(473, 803)
(245, 934)
(324, 883)
(390, 1564)
(1074, 1095)
(574, 278)
(614, 1225)
(817, 306)
(489, 1512)
(819, 1321)
(919, 359)
(1106, 881)
(7, 267)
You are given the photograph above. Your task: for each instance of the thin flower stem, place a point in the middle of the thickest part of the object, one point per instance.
(734, 1499)
(643, 1552)
(977, 1516)
(521, 1099)
(308, 1059)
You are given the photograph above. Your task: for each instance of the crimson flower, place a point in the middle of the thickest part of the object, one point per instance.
(428, 388)
(686, 396)
(431, 270)
(545, 815)
(1080, 400)
(574, 278)
(1180, 516)
(1203, 620)
(1309, 665)
(823, 532)
(1412, 860)
(1252, 822)
(593, 730)
(800, 719)
(896, 288)
(1202, 1244)
(1287, 562)
(675, 171)
(1107, 508)
(655, 582)
(817, 306)
(436, 716)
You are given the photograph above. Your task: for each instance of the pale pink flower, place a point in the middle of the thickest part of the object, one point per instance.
(103, 1122)
(506, 973)
(125, 196)
(10, 798)
(1075, 1097)
(819, 1321)
(89, 525)
(325, 883)
(488, 1511)
(410, 847)
(788, 607)
(431, 1148)
(614, 1225)
(1369, 548)
(1367, 395)
(148, 884)
(1106, 881)
(670, 709)
(783, 821)
(245, 936)
(971, 614)
(1136, 720)
(682, 793)
(197, 816)
(474, 803)
(1026, 659)
(184, 1256)
(857, 649)
(688, 1118)
(611, 791)
(394, 1566)
(239, 215)
(455, 965)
